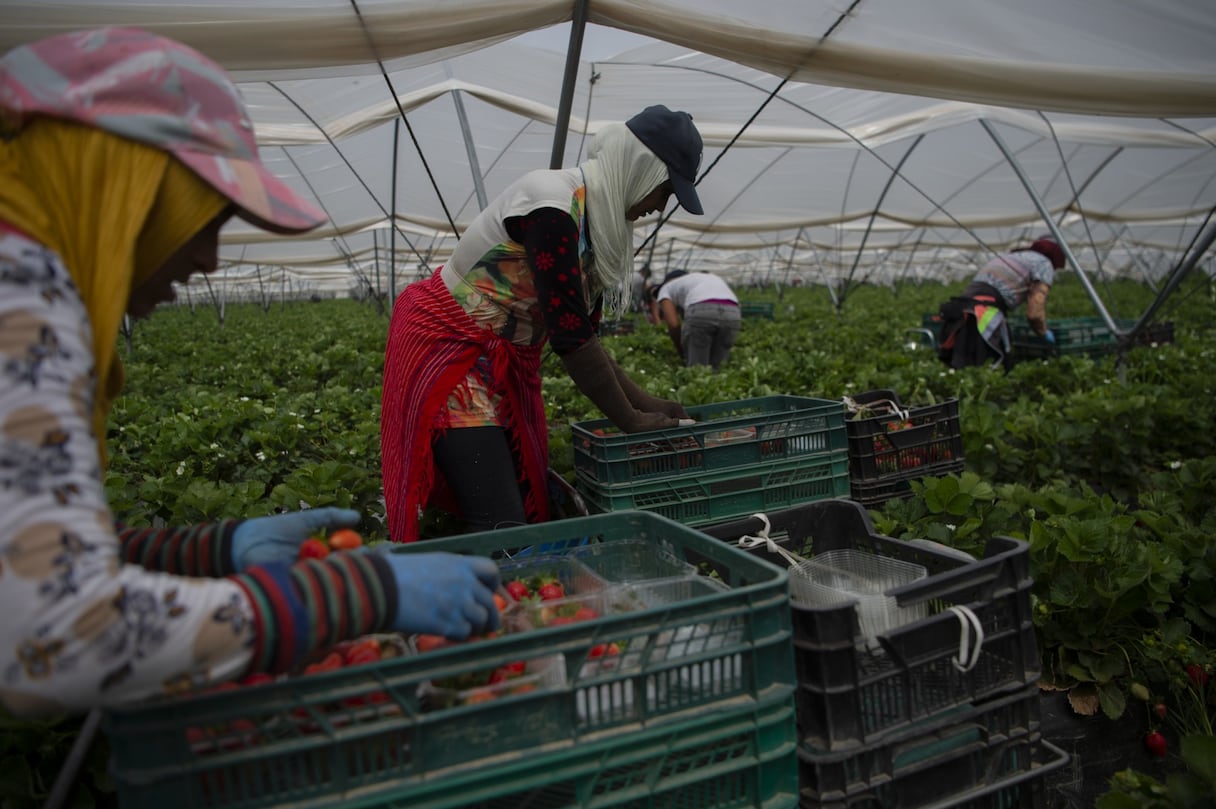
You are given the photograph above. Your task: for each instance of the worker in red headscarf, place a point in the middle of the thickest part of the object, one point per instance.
(975, 330)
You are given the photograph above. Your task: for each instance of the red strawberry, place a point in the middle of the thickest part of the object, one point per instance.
(331, 662)
(561, 620)
(1155, 743)
(551, 591)
(1198, 676)
(585, 614)
(518, 590)
(257, 678)
(313, 548)
(361, 653)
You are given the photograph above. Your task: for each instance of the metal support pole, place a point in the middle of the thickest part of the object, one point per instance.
(1055, 231)
(865, 237)
(392, 230)
(1184, 269)
(578, 27)
(470, 148)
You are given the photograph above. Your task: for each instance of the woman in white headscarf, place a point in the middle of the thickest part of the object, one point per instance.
(462, 423)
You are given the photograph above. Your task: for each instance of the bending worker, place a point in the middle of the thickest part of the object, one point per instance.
(711, 316)
(975, 330)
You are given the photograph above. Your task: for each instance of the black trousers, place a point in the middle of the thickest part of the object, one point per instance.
(481, 470)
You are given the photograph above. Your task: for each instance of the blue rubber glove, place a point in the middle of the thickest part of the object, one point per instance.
(1050, 336)
(277, 538)
(444, 594)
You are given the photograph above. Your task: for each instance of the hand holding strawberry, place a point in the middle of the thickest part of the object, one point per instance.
(277, 538)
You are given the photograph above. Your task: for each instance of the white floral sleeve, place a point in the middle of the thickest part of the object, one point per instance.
(80, 628)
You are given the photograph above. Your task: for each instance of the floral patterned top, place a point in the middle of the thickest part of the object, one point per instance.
(99, 614)
(524, 278)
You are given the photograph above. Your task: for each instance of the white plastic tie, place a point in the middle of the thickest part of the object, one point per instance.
(970, 623)
(762, 538)
(901, 413)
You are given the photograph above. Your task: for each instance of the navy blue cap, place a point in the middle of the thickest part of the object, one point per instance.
(676, 141)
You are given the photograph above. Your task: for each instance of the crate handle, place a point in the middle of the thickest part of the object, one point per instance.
(967, 657)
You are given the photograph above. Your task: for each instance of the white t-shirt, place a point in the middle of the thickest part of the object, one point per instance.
(542, 188)
(696, 287)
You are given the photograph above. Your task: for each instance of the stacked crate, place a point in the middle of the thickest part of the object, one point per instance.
(900, 720)
(694, 708)
(1087, 336)
(615, 327)
(890, 445)
(756, 309)
(739, 457)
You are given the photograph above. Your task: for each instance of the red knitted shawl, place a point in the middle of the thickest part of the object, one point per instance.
(432, 344)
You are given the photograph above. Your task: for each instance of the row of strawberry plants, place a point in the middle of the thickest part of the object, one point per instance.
(280, 409)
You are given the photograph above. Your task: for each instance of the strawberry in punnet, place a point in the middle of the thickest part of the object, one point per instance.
(585, 614)
(361, 653)
(518, 590)
(551, 591)
(257, 678)
(331, 662)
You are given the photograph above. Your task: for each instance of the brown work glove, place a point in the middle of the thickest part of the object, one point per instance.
(642, 400)
(592, 371)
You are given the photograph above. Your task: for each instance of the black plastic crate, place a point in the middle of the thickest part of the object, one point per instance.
(851, 693)
(872, 495)
(890, 444)
(1006, 776)
(1153, 334)
(837, 776)
(614, 327)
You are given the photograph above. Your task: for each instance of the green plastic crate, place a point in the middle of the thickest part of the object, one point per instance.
(741, 758)
(756, 309)
(708, 498)
(1089, 336)
(728, 435)
(335, 738)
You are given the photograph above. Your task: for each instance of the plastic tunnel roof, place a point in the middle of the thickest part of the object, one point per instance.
(866, 139)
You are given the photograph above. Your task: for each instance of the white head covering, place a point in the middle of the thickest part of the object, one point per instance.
(620, 171)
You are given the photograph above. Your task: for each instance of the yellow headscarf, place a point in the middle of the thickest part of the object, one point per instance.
(113, 209)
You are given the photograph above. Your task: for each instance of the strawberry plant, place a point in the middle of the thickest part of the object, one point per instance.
(1105, 466)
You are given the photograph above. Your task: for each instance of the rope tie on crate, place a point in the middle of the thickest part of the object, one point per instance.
(967, 657)
(903, 414)
(762, 538)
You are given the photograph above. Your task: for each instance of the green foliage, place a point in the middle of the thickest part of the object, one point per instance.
(31, 753)
(1106, 466)
(1193, 789)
